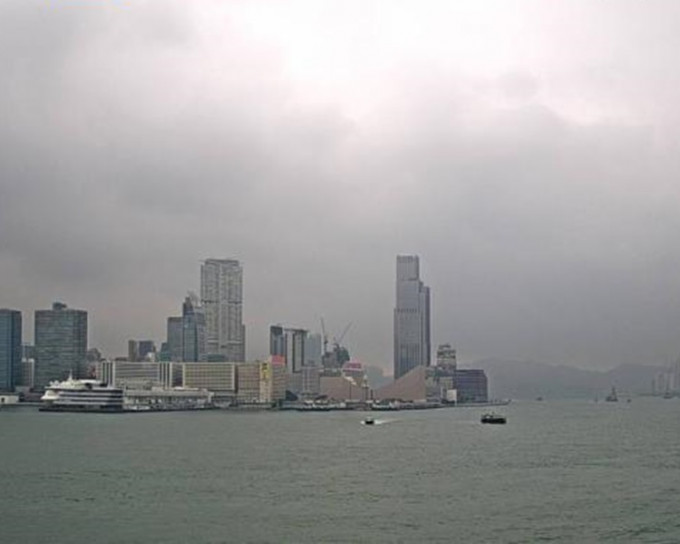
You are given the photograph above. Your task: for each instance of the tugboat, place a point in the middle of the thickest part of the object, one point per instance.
(612, 396)
(493, 418)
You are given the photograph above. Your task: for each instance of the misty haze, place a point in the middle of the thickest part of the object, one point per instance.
(406, 220)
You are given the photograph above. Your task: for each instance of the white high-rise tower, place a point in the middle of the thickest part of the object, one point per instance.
(222, 301)
(411, 318)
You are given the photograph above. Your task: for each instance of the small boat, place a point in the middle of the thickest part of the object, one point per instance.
(612, 397)
(369, 421)
(494, 418)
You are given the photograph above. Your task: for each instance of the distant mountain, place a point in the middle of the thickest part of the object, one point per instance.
(528, 379)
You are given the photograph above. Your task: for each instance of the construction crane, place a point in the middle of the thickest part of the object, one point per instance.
(325, 336)
(337, 355)
(342, 336)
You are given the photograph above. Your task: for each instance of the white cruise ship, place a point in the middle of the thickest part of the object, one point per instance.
(82, 396)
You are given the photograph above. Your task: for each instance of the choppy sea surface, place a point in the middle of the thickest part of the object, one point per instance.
(568, 471)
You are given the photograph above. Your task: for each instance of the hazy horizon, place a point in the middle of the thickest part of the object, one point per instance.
(526, 151)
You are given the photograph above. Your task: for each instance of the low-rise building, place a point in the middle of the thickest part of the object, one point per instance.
(435, 384)
(272, 382)
(136, 375)
(342, 388)
(472, 385)
(260, 383)
(177, 398)
(218, 377)
(248, 380)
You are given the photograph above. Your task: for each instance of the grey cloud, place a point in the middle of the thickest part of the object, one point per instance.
(136, 143)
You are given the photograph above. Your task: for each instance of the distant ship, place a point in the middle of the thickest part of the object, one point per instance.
(612, 396)
(81, 396)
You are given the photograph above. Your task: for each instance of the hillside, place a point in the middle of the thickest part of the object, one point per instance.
(528, 379)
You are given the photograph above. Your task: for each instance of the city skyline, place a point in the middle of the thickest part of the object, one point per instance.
(527, 152)
(202, 204)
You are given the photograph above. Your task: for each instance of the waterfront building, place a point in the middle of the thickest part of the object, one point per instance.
(131, 375)
(422, 383)
(139, 375)
(248, 390)
(472, 385)
(217, 377)
(409, 387)
(60, 344)
(342, 389)
(290, 344)
(167, 399)
(411, 318)
(10, 349)
(262, 383)
(222, 301)
(272, 382)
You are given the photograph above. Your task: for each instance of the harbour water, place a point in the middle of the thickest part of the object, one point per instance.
(568, 471)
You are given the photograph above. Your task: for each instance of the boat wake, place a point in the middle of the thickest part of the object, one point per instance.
(377, 422)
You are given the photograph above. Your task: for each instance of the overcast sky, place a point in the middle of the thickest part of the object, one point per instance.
(528, 151)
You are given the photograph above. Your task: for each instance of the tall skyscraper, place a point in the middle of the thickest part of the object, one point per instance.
(193, 330)
(174, 339)
(10, 349)
(222, 301)
(411, 318)
(289, 344)
(278, 341)
(60, 344)
(313, 353)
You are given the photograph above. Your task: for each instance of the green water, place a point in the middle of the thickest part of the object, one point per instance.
(557, 472)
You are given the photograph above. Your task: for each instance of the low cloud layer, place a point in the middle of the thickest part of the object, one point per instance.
(528, 155)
